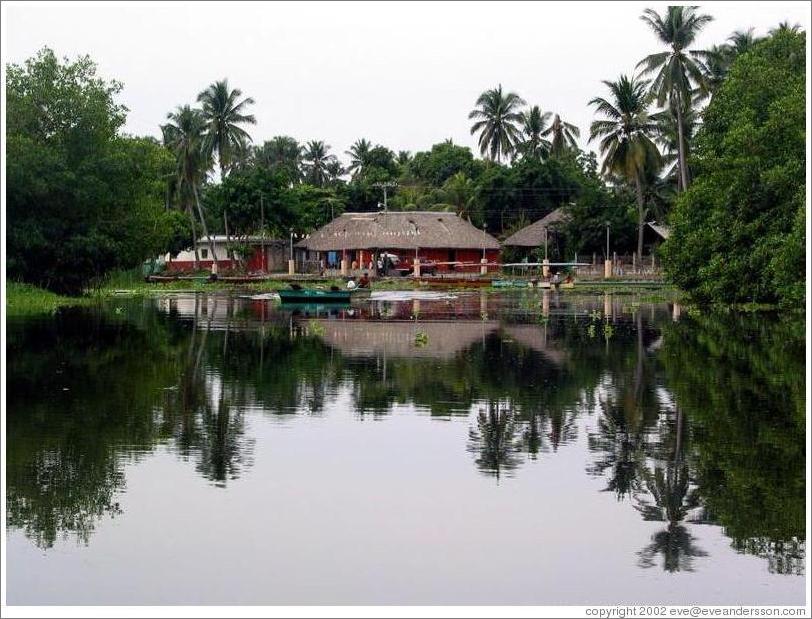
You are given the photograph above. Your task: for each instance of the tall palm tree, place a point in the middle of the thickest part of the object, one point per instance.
(359, 156)
(184, 134)
(532, 144)
(563, 136)
(667, 136)
(497, 120)
(315, 159)
(625, 133)
(679, 70)
(224, 115)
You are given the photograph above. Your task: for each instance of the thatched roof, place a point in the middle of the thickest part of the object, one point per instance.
(398, 230)
(533, 235)
(662, 230)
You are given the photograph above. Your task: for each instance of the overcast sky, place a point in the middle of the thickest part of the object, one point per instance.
(403, 75)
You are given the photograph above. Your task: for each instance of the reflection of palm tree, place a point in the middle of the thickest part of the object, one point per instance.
(222, 449)
(213, 433)
(621, 435)
(622, 451)
(494, 440)
(672, 501)
(533, 436)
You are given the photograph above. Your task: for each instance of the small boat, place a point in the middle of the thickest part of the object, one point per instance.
(511, 283)
(315, 295)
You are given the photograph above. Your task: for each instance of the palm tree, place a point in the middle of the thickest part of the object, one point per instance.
(459, 192)
(281, 152)
(679, 70)
(626, 142)
(335, 171)
(359, 156)
(563, 136)
(315, 160)
(498, 118)
(404, 157)
(534, 125)
(785, 26)
(224, 114)
(184, 135)
(741, 41)
(668, 138)
(717, 64)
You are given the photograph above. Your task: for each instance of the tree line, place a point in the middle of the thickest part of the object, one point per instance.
(84, 198)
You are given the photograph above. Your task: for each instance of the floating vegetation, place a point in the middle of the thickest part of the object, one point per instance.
(608, 331)
(314, 327)
(421, 339)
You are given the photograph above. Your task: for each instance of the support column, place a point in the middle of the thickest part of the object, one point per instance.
(344, 266)
(291, 267)
(416, 267)
(483, 270)
(545, 268)
(607, 269)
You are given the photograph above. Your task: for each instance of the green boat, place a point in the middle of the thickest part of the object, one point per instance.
(311, 295)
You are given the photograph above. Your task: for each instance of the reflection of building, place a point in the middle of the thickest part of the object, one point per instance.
(260, 255)
(443, 339)
(437, 236)
(535, 337)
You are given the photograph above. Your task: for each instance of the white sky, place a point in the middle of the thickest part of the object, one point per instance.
(403, 75)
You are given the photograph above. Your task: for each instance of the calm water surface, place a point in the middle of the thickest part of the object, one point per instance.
(475, 449)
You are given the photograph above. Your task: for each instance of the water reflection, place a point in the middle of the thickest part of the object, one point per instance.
(689, 421)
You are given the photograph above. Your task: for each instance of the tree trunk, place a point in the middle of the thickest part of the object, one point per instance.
(641, 215)
(204, 225)
(194, 235)
(683, 168)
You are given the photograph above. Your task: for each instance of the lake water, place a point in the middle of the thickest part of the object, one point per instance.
(467, 448)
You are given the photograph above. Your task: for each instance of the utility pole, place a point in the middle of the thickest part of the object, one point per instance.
(385, 185)
(607, 240)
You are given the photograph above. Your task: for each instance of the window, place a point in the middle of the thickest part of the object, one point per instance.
(204, 253)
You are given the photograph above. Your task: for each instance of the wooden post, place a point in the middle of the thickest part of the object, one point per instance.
(416, 269)
(545, 268)
(483, 270)
(607, 269)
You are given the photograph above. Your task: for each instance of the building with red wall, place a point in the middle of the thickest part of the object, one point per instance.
(452, 243)
(262, 255)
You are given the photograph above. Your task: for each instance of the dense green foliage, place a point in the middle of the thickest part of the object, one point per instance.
(738, 232)
(82, 199)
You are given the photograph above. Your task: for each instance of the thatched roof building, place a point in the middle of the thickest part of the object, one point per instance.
(398, 230)
(534, 234)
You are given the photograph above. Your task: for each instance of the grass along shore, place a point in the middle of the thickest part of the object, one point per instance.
(29, 300)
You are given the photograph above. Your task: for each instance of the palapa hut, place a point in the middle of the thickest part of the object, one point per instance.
(539, 233)
(451, 242)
